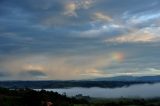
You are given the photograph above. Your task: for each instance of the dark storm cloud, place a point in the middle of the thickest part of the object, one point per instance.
(33, 73)
(4, 74)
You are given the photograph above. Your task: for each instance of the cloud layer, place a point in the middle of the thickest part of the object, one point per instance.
(46, 39)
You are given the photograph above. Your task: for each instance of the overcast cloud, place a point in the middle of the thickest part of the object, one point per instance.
(78, 39)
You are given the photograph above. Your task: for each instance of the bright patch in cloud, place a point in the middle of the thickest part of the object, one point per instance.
(75, 5)
(141, 18)
(71, 9)
(98, 16)
(85, 4)
(94, 73)
(33, 67)
(145, 72)
(118, 56)
(97, 31)
(135, 37)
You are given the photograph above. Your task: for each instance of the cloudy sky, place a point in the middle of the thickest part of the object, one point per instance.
(78, 39)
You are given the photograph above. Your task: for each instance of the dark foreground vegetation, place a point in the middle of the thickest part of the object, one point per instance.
(28, 97)
(125, 102)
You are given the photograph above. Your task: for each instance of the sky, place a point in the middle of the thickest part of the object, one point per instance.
(78, 39)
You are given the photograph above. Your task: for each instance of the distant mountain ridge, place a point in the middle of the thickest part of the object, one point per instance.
(106, 82)
(131, 78)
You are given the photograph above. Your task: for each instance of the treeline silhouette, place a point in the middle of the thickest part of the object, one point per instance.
(66, 84)
(29, 97)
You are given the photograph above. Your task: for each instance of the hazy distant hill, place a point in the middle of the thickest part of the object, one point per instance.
(108, 82)
(131, 78)
(65, 84)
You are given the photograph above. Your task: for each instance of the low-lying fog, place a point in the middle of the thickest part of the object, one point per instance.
(142, 91)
